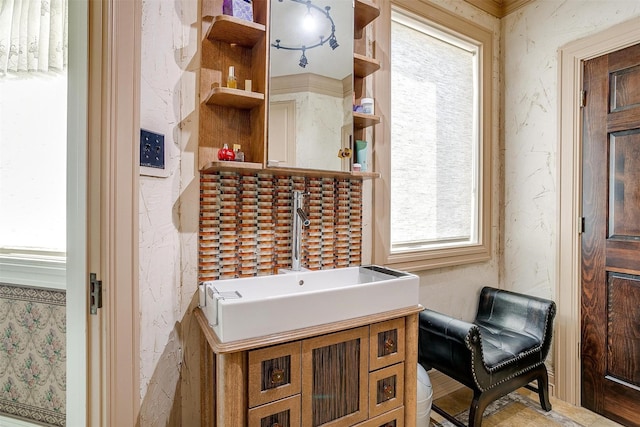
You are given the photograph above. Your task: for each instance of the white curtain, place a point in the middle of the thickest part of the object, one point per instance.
(33, 35)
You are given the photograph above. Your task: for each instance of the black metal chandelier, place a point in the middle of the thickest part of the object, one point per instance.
(331, 38)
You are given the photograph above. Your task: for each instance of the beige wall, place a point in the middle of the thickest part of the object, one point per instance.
(531, 38)
(169, 214)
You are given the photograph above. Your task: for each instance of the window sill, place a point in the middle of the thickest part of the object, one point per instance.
(39, 271)
(428, 260)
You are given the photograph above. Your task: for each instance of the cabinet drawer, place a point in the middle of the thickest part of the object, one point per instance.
(283, 413)
(387, 343)
(274, 373)
(393, 418)
(386, 389)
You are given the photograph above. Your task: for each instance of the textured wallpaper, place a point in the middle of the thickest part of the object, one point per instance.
(33, 354)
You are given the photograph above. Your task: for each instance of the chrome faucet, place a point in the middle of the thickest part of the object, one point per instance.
(300, 219)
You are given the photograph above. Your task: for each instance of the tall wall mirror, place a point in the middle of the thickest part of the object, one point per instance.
(311, 84)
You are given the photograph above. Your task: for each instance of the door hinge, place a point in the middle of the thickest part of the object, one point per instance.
(95, 293)
(581, 225)
(583, 98)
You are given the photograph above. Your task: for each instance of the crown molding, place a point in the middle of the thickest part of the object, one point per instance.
(499, 8)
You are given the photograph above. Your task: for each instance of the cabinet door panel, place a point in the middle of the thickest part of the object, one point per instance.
(386, 389)
(274, 373)
(335, 379)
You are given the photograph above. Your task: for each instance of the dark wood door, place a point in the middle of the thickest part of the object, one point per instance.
(610, 350)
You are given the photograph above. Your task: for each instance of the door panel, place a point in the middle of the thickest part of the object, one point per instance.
(610, 349)
(623, 328)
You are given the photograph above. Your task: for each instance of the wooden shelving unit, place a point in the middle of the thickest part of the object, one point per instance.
(235, 116)
(366, 11)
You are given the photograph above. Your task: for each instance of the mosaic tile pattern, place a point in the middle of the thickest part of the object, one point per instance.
(246, 222)
(33, 354)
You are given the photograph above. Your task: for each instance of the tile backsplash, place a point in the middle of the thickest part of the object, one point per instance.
(246, 222)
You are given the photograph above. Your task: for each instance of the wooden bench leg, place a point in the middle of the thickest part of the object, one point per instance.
(478, 405)
(543, 389)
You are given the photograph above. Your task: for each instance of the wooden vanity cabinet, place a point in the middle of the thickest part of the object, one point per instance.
(359, 372)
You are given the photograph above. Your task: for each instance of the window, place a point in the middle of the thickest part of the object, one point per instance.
(33, 143)
(437, 168)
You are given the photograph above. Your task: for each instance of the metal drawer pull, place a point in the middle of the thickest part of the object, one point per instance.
(389, 345)
(277, 376)
(389, 391)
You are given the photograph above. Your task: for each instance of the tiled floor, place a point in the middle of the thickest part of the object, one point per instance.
(520, 413)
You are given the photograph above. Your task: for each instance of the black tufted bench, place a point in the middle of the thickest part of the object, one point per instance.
(502, 350)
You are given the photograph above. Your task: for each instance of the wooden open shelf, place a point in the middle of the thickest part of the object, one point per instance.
(237, 98)
(258, 167)
(365, 12)
(231, 166)
(364, 66)
(361, 121)
(233, 30)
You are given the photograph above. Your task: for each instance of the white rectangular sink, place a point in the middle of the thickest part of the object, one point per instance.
(257, 306)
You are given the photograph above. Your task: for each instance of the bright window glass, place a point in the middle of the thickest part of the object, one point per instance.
(434, 138)
(33, 150)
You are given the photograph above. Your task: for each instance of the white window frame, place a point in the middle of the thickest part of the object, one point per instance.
(442, 256)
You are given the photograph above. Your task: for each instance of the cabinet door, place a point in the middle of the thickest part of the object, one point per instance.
(386, 389)
(335, 378)
(274, 373)
(283, 413)
(387, 343)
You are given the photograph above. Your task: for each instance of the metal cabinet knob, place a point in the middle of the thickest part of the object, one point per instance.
(277, 376)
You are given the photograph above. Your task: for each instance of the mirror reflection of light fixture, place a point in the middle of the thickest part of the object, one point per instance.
(308, 22)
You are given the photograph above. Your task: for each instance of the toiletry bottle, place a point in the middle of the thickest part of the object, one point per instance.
(238, 152)
(232, 82)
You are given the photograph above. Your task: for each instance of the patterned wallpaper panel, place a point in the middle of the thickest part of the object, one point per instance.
(246, 222)
(33, 354)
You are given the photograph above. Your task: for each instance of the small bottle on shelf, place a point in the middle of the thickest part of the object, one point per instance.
(238, 152)
(232, 82)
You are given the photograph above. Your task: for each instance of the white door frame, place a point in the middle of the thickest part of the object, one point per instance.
(114, 129)
(76, 290)
(568, 280)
